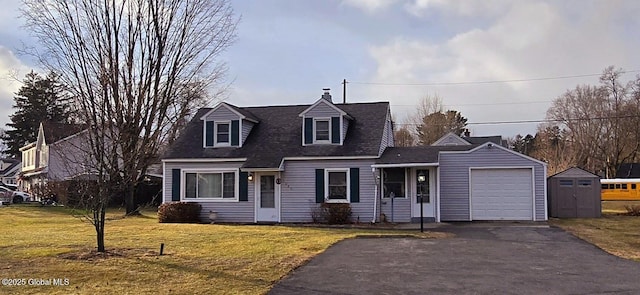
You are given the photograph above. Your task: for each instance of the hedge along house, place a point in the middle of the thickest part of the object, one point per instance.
(279, 163)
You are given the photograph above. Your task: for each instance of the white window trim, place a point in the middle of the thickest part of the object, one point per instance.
(406, 184)
(215, 134)
(326, 185)
(315, 141)
(183, 185)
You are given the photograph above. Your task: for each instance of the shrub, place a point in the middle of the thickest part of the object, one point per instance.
(332, 213)
(632, 210)
(179, 212)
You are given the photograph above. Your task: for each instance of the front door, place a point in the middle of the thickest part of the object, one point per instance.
(423, 195)
(267, 198)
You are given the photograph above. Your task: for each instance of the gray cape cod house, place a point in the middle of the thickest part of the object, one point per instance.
(279, 163)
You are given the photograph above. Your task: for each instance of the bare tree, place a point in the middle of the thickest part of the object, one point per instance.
(403, 137)
(599, 123)
(127, 62)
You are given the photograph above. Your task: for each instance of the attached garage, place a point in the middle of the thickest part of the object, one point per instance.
(502, 194)
(491, 182)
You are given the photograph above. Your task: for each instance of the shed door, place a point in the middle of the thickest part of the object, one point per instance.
(502, 194)
(567, 198)
(586, 206)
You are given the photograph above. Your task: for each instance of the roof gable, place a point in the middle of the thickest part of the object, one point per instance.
(497, 146)
(323, 101)
(242, 114)
(575, 172)
(450, 139)
(52, 132)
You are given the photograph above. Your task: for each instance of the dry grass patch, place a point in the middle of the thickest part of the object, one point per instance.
(47, 242)
(618, 235)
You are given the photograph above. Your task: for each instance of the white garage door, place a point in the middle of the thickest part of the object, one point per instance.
(501, 194)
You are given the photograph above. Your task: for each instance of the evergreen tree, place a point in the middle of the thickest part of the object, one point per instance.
(39, 99)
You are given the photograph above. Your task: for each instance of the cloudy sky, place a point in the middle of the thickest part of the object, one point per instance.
(494, 61)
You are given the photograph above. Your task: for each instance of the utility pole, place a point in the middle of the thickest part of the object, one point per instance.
(344, 90)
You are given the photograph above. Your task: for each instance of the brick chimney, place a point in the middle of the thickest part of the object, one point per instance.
(326, 94)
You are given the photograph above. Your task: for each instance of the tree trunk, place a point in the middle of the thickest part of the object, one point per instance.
(98, 221)
(129, 200)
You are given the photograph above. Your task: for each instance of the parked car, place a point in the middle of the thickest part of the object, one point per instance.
(7, 195)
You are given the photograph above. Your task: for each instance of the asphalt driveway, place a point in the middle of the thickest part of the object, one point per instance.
(481, 259)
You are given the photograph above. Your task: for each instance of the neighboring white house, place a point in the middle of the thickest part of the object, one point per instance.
(55, 155)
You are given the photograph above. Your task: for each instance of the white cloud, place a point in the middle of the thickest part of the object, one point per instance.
(530, 40)
(369, 5)
(11, 73)
(458, 7)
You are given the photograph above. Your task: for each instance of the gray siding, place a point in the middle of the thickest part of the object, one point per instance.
(222, 114)
(298, 189)
(401, 209)
(451, 140)
(322, 110)
(387, 135)
(227, 211)
(345, 128)
(246, 129)
(454, 179)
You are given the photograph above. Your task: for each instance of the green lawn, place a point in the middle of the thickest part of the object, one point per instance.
(47, 242)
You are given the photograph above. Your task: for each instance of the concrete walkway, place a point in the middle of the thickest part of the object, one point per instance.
(481, 259)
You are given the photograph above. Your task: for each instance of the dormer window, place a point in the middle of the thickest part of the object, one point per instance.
(222, 133)
(322, 129)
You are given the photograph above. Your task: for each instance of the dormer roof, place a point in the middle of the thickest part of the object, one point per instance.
(328, 103)
(242, 113)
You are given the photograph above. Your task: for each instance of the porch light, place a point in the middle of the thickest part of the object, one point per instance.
(250, 176)
(421, 177)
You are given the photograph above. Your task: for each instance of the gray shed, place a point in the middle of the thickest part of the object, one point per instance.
(574, 193)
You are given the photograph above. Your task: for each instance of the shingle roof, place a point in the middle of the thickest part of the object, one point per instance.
(54, 131)
(418, 154)
(279, 134)
(497, 139)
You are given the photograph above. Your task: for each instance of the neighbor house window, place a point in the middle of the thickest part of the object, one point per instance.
(210, 185)
(222, 133)
(394, 182)
(337, 185)
(321, 127)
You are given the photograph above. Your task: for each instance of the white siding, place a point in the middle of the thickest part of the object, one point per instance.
(299, 193)
(454, 179)
(227, 211)
(222, 114)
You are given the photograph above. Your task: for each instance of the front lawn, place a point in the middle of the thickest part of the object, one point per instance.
(616, 234)
(42, 243)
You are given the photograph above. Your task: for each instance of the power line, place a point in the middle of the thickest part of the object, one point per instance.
(485, 82)
(537, 121)
(479, 104)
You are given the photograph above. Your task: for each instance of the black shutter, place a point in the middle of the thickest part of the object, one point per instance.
(244, 187)
(354, 174)
(308, 130)
(175, 185)
(319, 185)
(209, 133)
(235, 133)
(335, 130)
